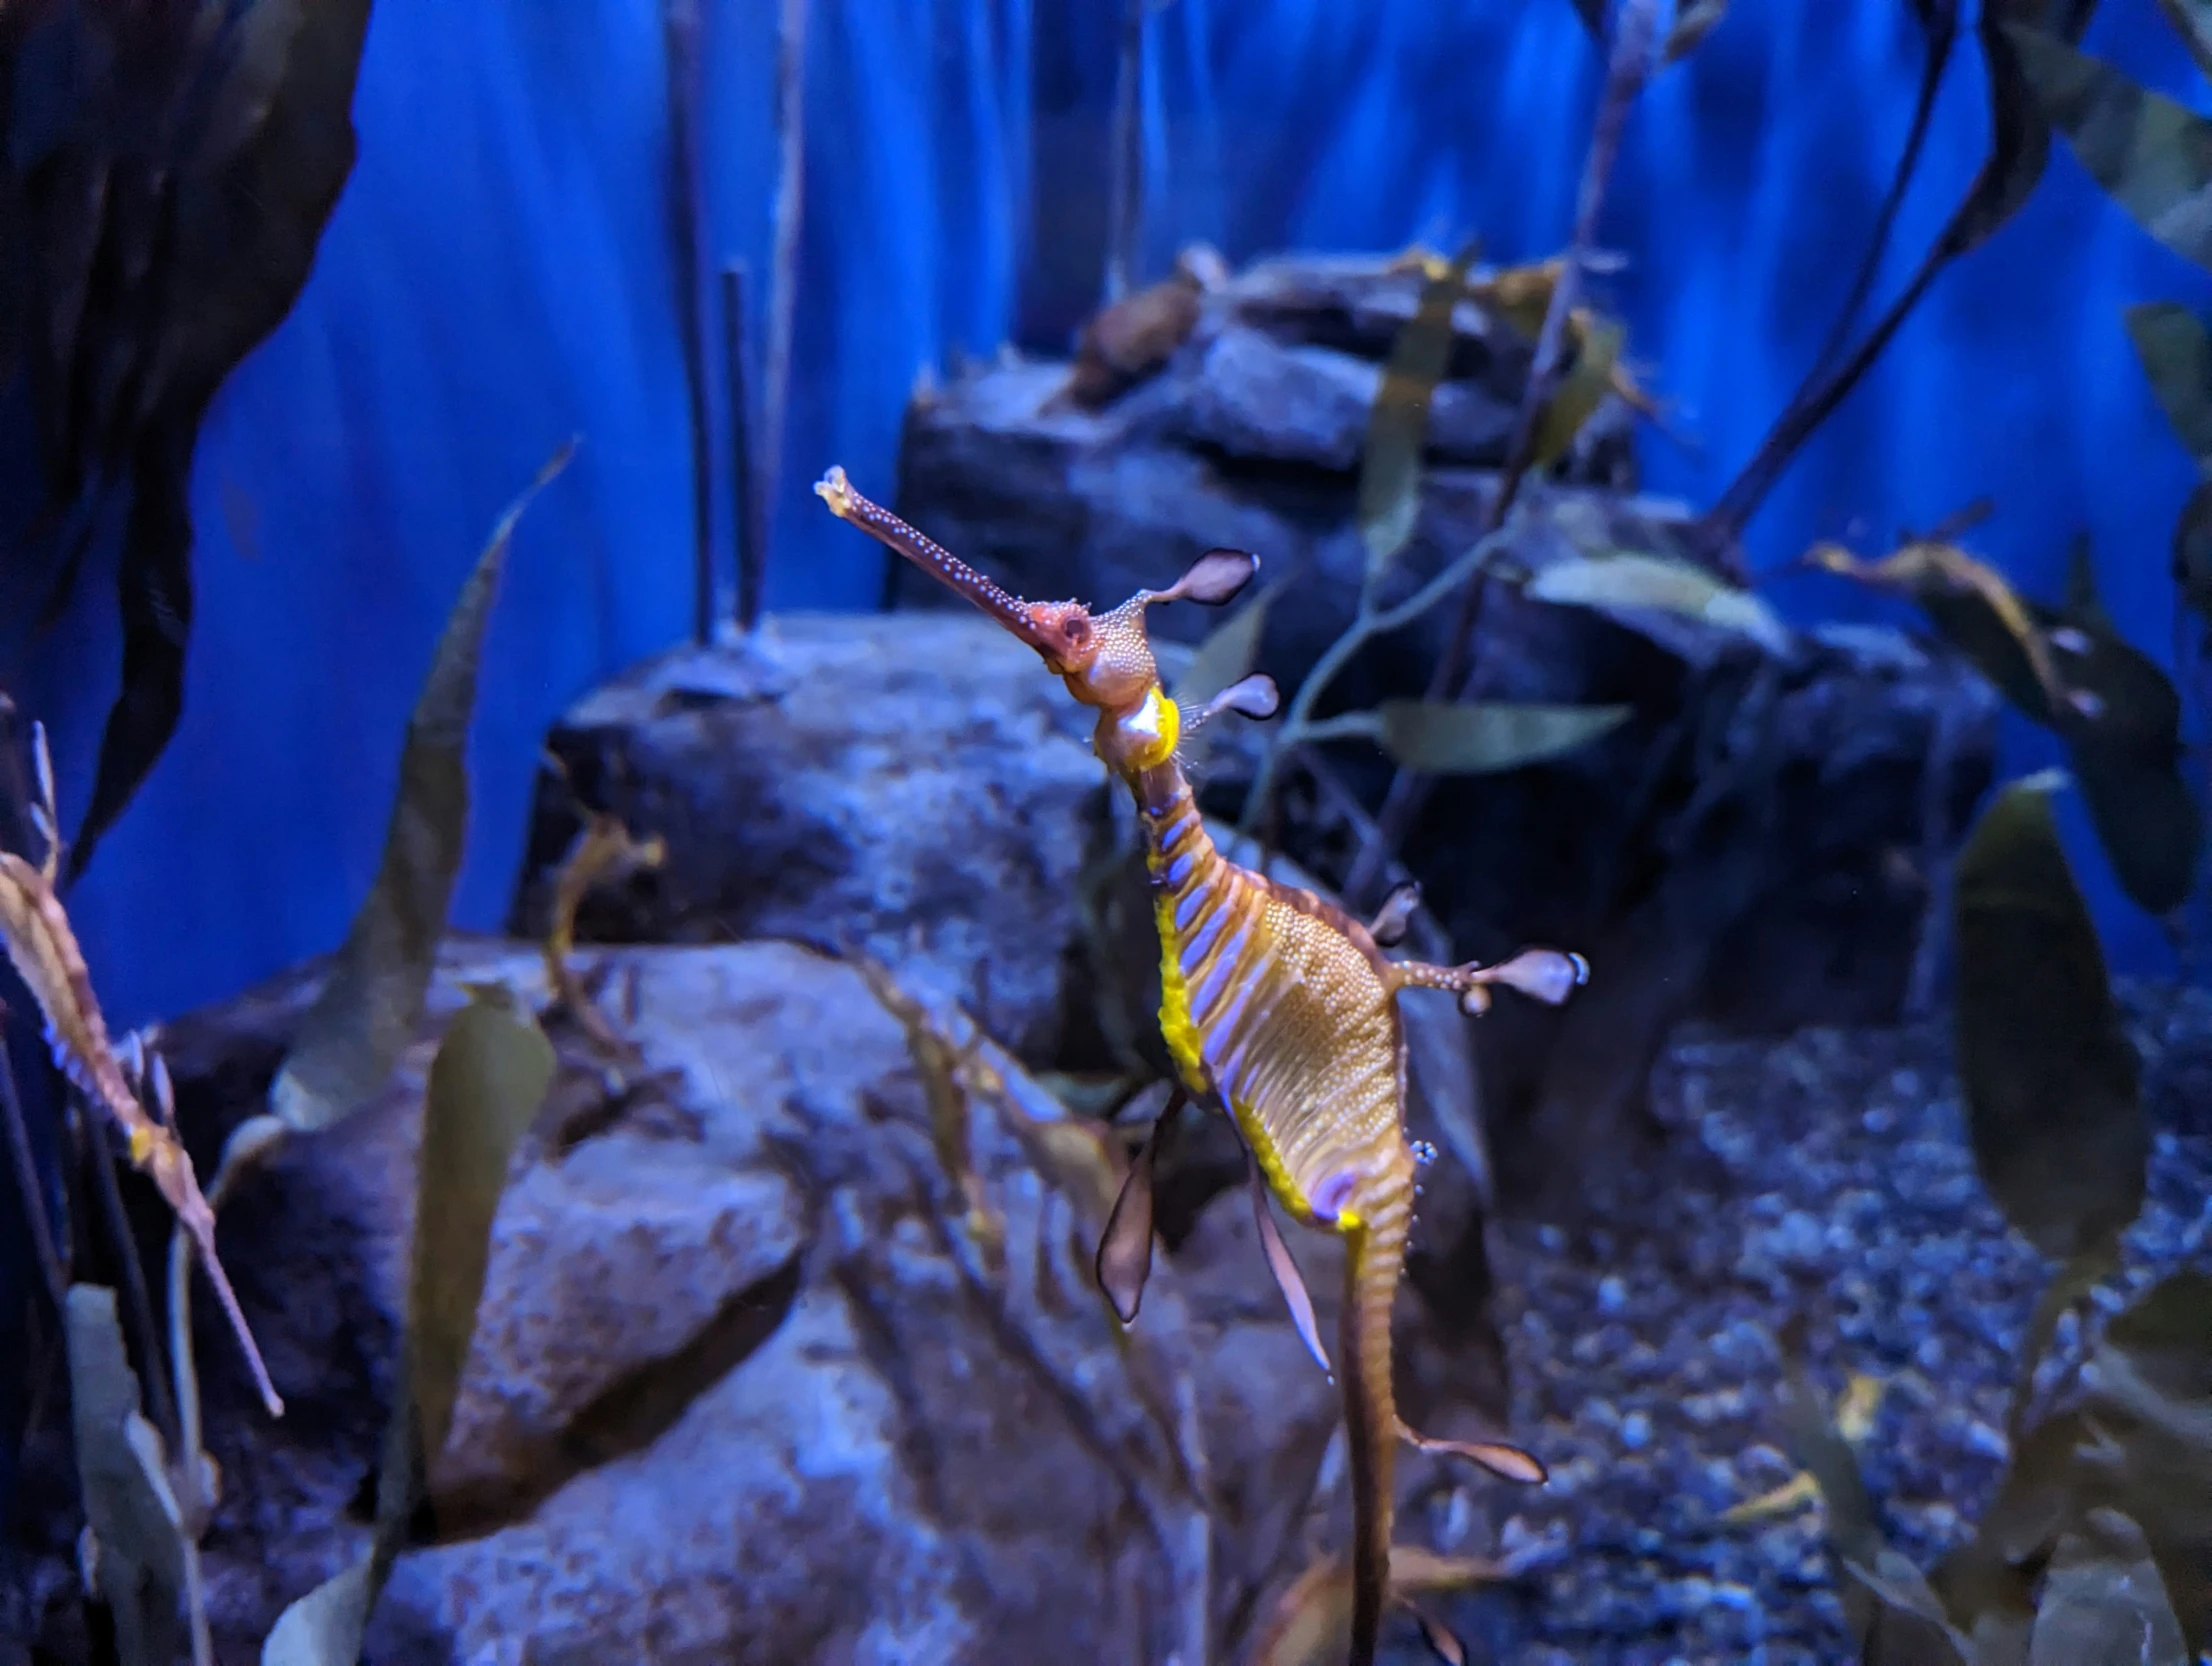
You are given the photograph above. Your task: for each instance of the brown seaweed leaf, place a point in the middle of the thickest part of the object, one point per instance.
(2117, 712)
(1595, 344)
(486, 1084)
(603, 852)
(2147, 1451)
(1693, 21)
(2085, 609)
(2193, 19)
(366, 1010)
(1519, 296)
(1631, 579)
(1487, 737)
(2176, 352)
(2119, 715)
(43, 949)
(2147, 819)
(2121, 722)
(2019, 152)
(944, 1091)
(2192, 550)
(2050, 1078)
(1988, 1584)
(1312, 1620)
(2019, 146)
(1397, 427)
(2103, 1602)
(1972, 606)
(1893, 1611)
(138, 1546)
(174, 204)
(2151, 155)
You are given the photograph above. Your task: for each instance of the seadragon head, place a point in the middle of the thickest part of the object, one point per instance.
(1105, 659)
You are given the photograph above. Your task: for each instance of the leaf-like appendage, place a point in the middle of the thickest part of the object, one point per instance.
(2050, 1078)
(1225, 658)
(1217, 577)
(1311, 1621)
(364, 1015)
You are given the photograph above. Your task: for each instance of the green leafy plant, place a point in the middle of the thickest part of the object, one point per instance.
(486, 1084)
(150, 1496)
(2098, 1544)
(363, 1015)
(1436, 736)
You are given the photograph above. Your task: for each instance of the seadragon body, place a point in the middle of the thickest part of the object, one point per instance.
(1277, 1007)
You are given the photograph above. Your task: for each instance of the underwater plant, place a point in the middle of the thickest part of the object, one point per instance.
(1280, 1011)
(148, 1486)
(220, 137)
(2096, 1546)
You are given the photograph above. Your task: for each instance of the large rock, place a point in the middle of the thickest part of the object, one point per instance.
(742, 1387)
(1757, 845)
(914, 783)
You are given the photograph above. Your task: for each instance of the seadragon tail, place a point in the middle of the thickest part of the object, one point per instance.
(1375, 1255)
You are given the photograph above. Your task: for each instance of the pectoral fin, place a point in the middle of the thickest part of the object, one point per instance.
(1125, 1248)
(1287, 1277)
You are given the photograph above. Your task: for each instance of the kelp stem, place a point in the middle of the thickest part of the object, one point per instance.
(1627, 68)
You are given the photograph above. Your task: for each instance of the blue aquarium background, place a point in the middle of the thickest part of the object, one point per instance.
(499, 274)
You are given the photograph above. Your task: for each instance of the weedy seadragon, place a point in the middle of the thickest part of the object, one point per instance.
(1278, 1008)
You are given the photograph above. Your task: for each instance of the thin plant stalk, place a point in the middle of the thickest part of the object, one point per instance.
(1628, 67)
(1299, 726)
(1725, 522)
(680, 28)
(1125, 188)
(1942, 36)
(187, 1462)
(36, 1220)
(783, 263)
(133, 1276)
(748, 478)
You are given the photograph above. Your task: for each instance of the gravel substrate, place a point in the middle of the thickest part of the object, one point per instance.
(1827, 1174)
